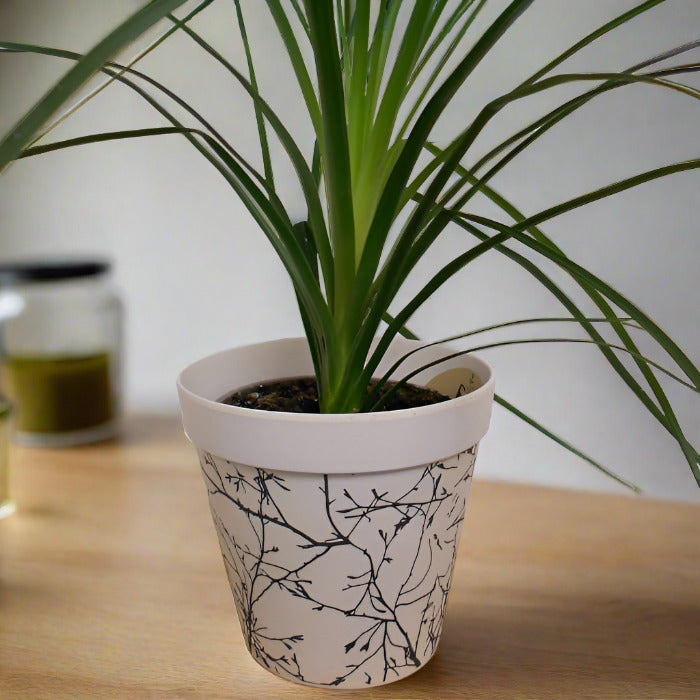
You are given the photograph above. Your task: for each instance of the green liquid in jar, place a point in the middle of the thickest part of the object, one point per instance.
(59, 393)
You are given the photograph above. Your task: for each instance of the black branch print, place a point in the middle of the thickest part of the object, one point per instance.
(340, 580)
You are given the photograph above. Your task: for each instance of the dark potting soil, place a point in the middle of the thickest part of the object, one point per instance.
(300, 395)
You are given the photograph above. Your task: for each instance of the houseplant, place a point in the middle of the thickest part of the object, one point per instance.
(379, 192)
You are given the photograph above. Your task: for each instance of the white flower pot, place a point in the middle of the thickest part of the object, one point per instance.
(338, 532)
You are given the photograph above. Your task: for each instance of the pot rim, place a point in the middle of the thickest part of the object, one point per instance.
(284, 437)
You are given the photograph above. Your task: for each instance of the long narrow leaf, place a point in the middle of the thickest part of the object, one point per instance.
(122, 69)
(589, 38)
(260, 122)
(498, 399)
(392, 192)
(79, 74)
(669, 419)
(500, 326)
(538, 128)
(357, 79)
(408, 54)
(306, 180)
(441, 36)
(297, 60)
(628, 307)
(459, 145)
(570, 306)
(301, 17)
(455, 265)
(75, 106)
(553, 117)
(528, 341)
(138, 133)
(334, 146)
(437, 70)
(427, 208)
(563, 443)
(272, 220)
(607, 191)
(420, 298)
(406, 253)
(683, 48)
(106, 136)
(678, 356)
(379, 50)
(117, 72)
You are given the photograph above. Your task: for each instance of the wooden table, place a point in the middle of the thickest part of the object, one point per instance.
(112, 586)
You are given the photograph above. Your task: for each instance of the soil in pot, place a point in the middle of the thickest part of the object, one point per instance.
(300, 395)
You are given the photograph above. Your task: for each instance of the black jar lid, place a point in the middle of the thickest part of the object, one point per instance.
(49, 271)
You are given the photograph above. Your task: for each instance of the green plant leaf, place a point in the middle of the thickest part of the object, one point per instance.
(407, 333)
(525, 341)
(538, 128)
(563, 443)
(598, 340)
(119, 75)
(306, 179)
(441, 36)
(530, 341)
(391, 195)
(579, 273)
(668, 418)
(334, 146)
(607, 191)
(262, 133)
(156, 131)
(408, 251)
(568, 304)
(74, 107)
(427, 206)
(295, 56)
(589, 38)
(357, 79)
(446, 54)
(21, 133)
(271, 218)
(301, 17)
(386, 209)
(399, 76)
(379, 50)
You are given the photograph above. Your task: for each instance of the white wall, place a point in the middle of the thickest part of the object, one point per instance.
(197, 276)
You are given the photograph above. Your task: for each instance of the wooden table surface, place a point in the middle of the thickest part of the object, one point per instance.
(112, 586)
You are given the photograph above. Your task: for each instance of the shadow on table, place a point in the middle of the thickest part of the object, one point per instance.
(571, 647)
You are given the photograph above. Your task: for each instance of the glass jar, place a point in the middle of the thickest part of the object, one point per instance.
(60, 351)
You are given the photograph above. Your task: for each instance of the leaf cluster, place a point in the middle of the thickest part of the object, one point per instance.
(378, 190)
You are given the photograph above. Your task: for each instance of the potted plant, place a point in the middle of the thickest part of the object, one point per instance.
(339, 530)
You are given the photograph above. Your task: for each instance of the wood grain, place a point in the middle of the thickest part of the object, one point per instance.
(112, 586)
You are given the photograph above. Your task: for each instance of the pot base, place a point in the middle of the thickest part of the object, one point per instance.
(340, 580)
(351, 687)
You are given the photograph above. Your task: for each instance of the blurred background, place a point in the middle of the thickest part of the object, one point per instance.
(196, 276)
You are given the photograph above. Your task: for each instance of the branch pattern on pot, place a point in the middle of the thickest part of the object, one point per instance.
(340, 580)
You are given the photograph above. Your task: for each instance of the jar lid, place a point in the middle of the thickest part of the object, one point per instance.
(44, 271)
